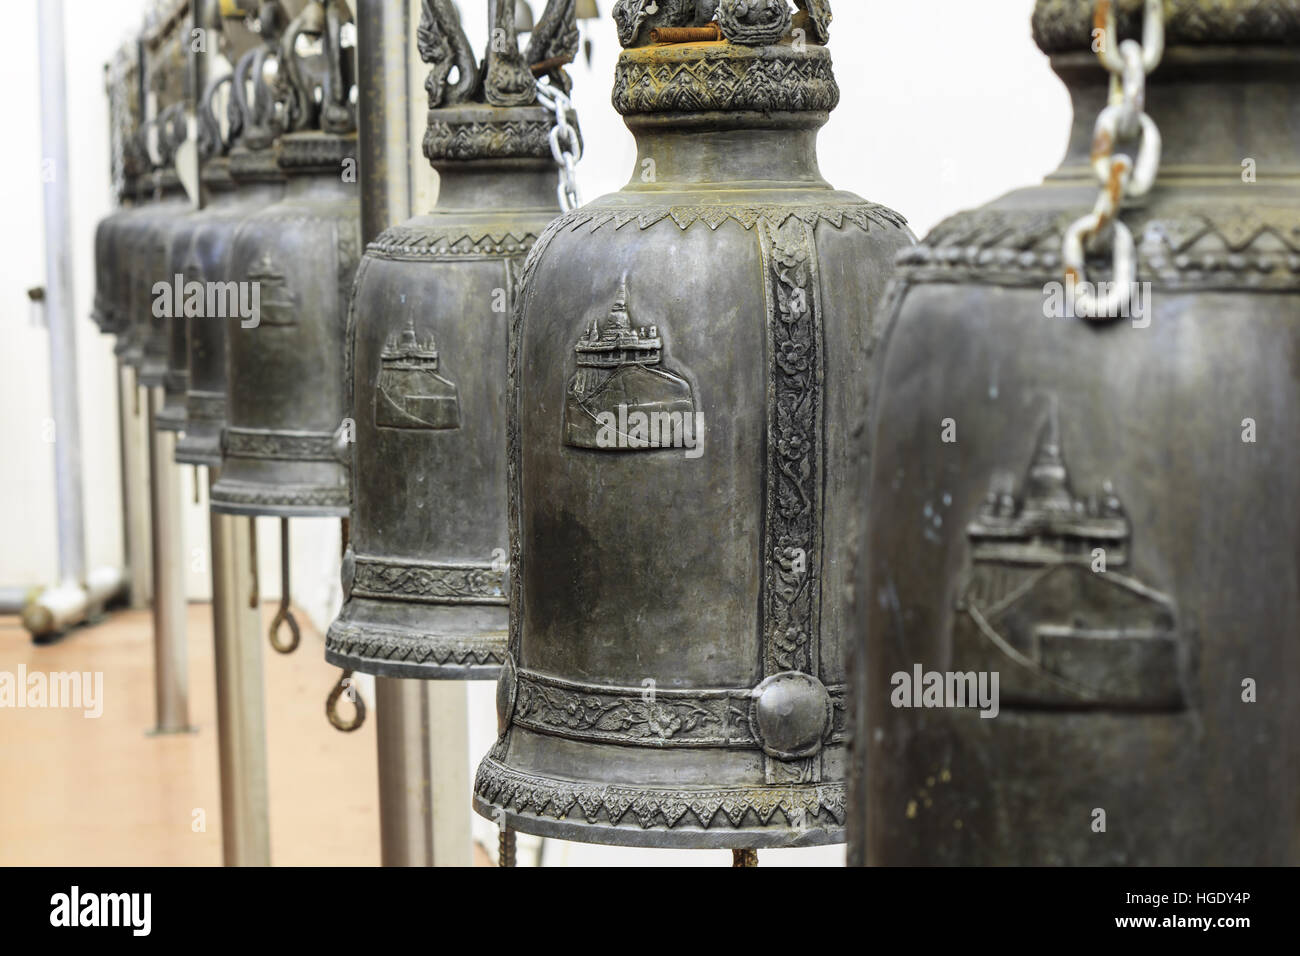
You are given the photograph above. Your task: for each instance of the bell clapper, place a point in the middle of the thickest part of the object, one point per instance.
(345, 686)
(284, 615)
(745, 858)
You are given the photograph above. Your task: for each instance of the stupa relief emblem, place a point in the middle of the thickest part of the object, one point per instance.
(410, 393)
(1051, 603)
(621, 398)
(278, 304)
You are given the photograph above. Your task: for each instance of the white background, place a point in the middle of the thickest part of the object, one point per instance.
(946, 104)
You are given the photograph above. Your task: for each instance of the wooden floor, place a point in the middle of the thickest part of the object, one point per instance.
(98, 792)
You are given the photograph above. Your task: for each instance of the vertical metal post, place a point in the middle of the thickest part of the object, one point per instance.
(171, 655)
(135, 490)
(385, 131)
(423, 776)
(59, 301)
(241, 693)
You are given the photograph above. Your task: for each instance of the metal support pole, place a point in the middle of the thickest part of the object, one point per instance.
(59, 301)
(135, 490)
(241, 693)
(171, 655)
(423, 812)
(384, 128)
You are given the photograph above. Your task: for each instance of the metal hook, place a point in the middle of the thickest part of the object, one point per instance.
(344, 686)
(284, 615)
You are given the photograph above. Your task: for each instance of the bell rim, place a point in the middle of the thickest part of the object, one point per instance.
(717, 832)
(346, 631)
(658, 838)
(277, 511)
(377, 667)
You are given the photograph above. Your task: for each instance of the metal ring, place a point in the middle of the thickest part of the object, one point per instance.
(1086, 304)
(332, 706)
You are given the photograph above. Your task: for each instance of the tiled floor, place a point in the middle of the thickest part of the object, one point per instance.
(78, 790)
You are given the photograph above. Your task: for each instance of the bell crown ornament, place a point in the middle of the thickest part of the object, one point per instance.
(428, 352)
(675, 674)
(1067, 26)
(285, 445)
(1089, 539)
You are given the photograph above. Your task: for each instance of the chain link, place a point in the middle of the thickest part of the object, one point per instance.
(1120, 177)
(566, 145)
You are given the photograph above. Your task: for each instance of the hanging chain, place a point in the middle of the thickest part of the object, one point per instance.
(566, 145)
(1123, 118)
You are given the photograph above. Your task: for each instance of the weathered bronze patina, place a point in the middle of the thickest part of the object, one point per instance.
(1100, 512)
(688, 363)
(425, 580)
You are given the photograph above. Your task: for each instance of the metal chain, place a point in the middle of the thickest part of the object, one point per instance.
(1123, 118)
(566, 145)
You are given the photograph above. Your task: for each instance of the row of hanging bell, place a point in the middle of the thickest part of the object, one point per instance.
(689, 358)
(239, 177)
(282, 452)
(1089, 495)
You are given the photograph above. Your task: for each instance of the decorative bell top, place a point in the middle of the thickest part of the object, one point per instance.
(756, 56)
(1066, 26)
(319, 135)
(493, 112)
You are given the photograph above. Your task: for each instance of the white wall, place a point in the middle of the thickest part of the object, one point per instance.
(946, 104)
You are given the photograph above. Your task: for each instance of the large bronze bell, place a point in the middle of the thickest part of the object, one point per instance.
(688, 367)
(285, 445)
(425, 577)
(1096, 506)
(240, 181)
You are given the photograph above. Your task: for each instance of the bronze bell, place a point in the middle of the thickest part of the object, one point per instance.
(240, 182)
(143, 243)
(688, 360)
(285, 445)
(1090, 394)
(110, 313)
(425, 580)
(169, 330)
(155, 241)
